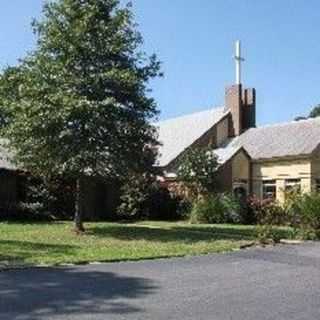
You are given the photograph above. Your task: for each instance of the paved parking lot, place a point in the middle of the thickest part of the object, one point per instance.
(271, 283)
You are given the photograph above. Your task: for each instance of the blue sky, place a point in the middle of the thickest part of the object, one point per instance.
(195, 40)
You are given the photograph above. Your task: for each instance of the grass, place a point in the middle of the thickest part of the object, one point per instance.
(55, 243)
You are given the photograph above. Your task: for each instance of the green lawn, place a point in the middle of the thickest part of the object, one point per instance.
(55, 243)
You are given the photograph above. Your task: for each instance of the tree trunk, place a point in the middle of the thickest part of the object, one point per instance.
(78, 215)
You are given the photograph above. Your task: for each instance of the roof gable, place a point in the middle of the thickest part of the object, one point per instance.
(295, 138)
(176, 135)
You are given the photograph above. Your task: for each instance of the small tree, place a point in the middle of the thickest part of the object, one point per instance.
(197, 170)
(82, 106)
(134, 194)
(136, 188)
(315, 112)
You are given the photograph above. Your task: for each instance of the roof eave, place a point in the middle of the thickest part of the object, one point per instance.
(288, 157)
(168, 164)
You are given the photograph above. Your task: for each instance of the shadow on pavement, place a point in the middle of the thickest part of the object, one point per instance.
(41, 293)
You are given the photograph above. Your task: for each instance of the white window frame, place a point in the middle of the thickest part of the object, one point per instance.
(269, 183)
(294, 182)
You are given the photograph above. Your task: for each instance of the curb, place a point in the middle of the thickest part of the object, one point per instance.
(248, 245)
(293, 242)
(4, 267)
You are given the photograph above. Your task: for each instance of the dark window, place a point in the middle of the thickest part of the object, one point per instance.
(240, 193)
(22, 182)
(292, 185)
(317, 185)
(269, 189)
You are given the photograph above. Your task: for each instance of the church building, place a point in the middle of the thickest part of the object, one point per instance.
(263, 161)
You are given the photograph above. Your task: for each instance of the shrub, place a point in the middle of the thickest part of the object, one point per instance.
(305, 213)
(291, 206)
(300, 211)
(267, 211)
(134, 196)
(41, 200)
(267, 233)
(197, 170)
(50, 198)
(162, 204)
(143, 197)
(220, 208)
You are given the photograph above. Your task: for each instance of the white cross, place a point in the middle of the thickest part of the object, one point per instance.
(238, 60)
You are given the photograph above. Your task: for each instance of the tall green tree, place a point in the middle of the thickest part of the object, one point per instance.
(9, 91)
(81, 105)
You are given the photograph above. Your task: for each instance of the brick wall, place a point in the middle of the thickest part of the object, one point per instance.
(242, 106)
(233, 103)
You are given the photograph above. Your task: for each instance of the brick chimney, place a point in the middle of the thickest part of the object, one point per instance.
(249, 108)
(242, 106)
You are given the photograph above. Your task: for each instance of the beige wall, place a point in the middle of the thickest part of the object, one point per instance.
(234, 171)
(240, 167)
(224, 177)
(280, 170)
(315, 169)
(222, 131)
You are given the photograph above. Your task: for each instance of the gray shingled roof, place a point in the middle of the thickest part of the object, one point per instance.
(272, 141)
(279, 140)
(226, 153)
(177, 134)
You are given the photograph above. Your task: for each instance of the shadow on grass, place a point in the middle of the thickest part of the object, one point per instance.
(238, 232)
(173, 234)
(18, 252)
(34, 222)
(70, 292)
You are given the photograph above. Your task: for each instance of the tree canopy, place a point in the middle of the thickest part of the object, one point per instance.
(197, 169)
(315, 112)
(79, 103)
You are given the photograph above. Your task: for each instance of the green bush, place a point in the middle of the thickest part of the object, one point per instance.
(300, 211)
(40, 200)
(305, 214)
(165, 205)
(197, 169)
(133, 196)
(267, 233)
(144, 198)
(220, 208)
(267, 212)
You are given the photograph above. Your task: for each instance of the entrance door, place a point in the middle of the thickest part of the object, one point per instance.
(240, 192)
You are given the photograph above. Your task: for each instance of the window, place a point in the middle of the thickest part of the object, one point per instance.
(293, 185)
(317, 185)
(240, 193)
(269, 189)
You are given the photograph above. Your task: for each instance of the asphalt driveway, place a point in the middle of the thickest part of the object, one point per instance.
(258, 284)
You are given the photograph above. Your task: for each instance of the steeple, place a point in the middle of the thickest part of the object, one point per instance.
(240, 101)
(239, 61)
